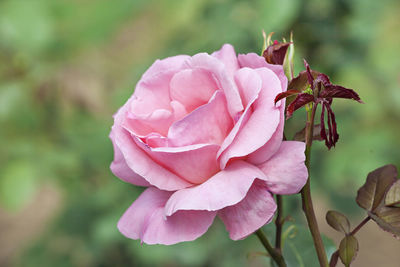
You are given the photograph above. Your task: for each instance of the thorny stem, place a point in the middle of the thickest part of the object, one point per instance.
(306, 194)
(279, 223)
(275, 255)
(333, 261)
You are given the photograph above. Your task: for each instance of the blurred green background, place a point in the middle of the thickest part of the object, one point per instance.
(67, 65)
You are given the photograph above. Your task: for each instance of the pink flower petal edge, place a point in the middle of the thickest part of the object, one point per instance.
(226, 188)
(145, 220)
(250, 214)
(285, 171)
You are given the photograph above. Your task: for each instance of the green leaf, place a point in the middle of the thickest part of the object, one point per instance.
(348, 249)
(393, 195)
(338, 221)
(371, 194)
(388, 218)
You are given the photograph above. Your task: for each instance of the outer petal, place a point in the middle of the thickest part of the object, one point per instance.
(226, 188)
(120, 169)
(224, 80)
(208, 124)
(145, 219)
(286, 172)
(167, 64)
(195, 163)
(262, 124)
(254, 61)
(227, 55)
(254, 211)
(140, 163)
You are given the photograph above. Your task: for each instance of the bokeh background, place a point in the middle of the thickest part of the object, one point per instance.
(67, 65)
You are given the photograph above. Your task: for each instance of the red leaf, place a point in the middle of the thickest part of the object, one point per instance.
(286, 94)
(337, 91)
(300, 101)
(309, 74)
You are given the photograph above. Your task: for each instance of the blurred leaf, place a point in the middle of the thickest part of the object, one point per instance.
(25, 25)
(301, 135)
(393, 195)
(338, 221)
(348, 249)
(299, 249)
(10, 98)
(18, 184)
(388, 218)
(371, 194)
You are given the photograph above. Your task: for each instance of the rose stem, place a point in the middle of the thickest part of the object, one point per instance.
(360, 225)
(355, 230)
(277, 256)
(279, 223)
(306, 194)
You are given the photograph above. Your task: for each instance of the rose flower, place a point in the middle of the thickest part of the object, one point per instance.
(203, 134)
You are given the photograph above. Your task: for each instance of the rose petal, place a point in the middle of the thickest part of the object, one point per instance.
(195, 163)
(145, 220)
(250, 214)
(269, 149)
(227, 55)
(166, 64)
(224, 80)
(208, 124)
(226, 188)
(286, 172)
(120, 169)
(156, 140)
(179, 110)
(158, 121)
(152, 94)
(255, 61)
(192, 87)
(140, 163)
(262, 124)
(249, 84)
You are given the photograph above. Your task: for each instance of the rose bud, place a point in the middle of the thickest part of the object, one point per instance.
(276, 53)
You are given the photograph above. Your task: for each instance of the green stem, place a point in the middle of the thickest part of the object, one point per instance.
(279, 223)
(275, 255)
(306, 194)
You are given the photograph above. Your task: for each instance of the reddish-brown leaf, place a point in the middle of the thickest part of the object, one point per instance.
(338, 221)
(285, 94)
(336, 91)
(301, 135)
(300, 100)
(393, 195)
(372, 193)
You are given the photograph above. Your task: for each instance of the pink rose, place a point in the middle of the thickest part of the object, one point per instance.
(203, 135)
